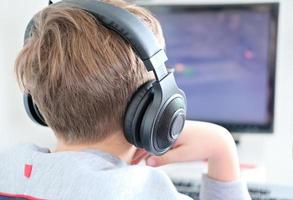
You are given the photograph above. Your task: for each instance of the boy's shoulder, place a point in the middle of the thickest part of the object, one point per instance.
(80, 175)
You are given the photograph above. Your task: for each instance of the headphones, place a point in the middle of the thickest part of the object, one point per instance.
(156, 113)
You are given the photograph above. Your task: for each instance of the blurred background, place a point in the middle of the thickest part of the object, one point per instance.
(251, 95)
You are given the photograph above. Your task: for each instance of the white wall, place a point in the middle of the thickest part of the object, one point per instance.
(15, 126)
(272, 151)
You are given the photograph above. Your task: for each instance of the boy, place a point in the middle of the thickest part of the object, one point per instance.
(82, 75)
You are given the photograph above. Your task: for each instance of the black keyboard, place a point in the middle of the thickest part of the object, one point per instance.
(256, 191)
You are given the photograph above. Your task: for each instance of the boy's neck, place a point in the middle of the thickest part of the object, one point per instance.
(115, 144)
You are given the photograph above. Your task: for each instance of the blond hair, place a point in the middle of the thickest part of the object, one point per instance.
(80, 74)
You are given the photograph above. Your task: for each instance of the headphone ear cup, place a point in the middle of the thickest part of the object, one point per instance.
(169, 124)
(135, 113)
(32, 110)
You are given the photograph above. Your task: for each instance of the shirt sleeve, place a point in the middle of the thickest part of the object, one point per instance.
(217, 190)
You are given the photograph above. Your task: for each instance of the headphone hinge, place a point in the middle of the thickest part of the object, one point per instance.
(156, 63)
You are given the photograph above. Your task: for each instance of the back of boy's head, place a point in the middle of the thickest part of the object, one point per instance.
(80, 74)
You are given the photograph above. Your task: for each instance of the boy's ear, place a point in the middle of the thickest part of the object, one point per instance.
(139, 155)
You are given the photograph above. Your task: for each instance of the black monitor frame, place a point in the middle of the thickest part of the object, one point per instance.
(273, 8)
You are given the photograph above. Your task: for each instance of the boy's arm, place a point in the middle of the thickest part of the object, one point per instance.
(204, 141)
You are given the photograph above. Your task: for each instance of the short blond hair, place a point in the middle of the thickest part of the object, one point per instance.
(80, 74)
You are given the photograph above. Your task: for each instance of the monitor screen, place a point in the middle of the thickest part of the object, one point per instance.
(224, 59)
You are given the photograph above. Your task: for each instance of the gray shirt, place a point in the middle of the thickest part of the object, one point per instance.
(33, 171)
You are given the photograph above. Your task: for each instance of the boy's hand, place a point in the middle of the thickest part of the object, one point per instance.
(139, 155)
(204, 141)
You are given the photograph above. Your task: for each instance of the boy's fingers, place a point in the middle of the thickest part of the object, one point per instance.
(139, 155)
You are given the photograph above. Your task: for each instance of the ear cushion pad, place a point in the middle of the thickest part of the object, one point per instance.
(135, 112)
(32, 110)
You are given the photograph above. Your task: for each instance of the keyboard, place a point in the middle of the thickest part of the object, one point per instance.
(256, 191)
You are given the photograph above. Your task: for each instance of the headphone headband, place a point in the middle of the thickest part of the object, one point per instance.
(127, 26)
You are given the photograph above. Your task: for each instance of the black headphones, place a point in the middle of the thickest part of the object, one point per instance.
(156, 114)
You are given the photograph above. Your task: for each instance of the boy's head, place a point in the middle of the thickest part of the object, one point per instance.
(81, 74)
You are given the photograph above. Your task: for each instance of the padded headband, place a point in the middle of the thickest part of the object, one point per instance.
(128, 26)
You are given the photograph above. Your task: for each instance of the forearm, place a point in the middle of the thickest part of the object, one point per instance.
(204, 141)
(223, 165)
(216, 145)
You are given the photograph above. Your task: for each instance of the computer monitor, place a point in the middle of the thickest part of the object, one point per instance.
(225, 59)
